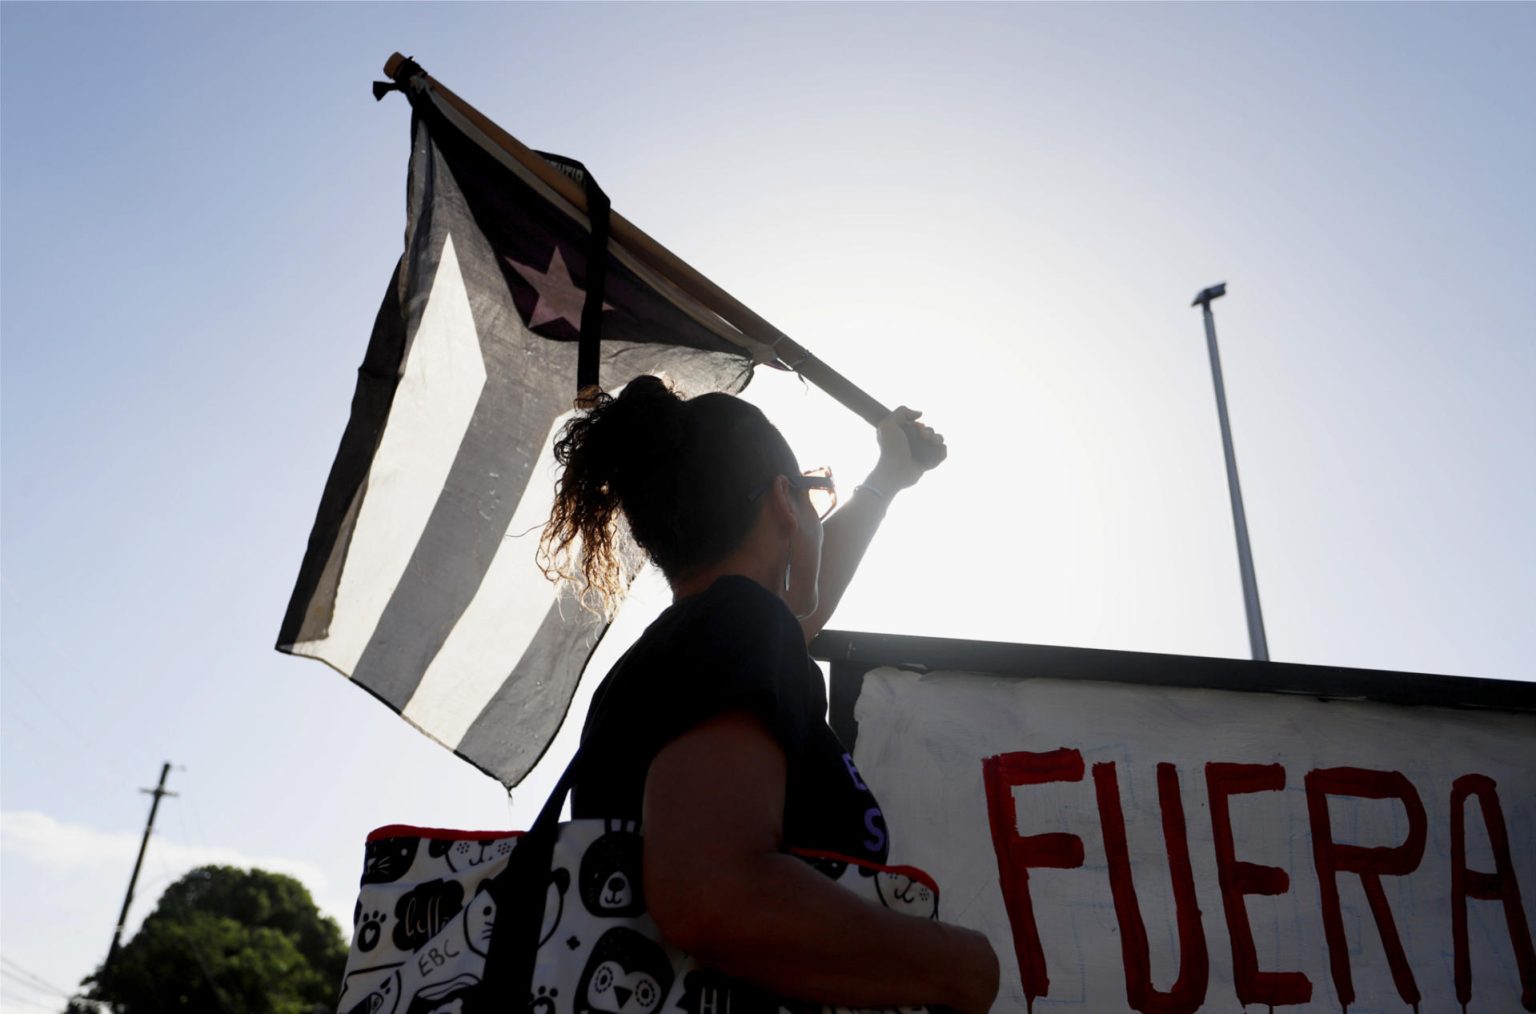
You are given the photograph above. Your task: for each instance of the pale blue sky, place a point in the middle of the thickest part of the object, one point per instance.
(995, 213)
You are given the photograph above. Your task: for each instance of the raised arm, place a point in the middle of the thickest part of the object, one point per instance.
(718, 887)
(849, 530)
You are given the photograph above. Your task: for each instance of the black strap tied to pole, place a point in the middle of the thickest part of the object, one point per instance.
(597, 277)
(408, 69)
(598, 207)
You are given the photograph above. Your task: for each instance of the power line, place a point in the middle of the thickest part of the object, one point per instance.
(22, 975)
(11, 716)
(39, 1004)
(38, 633)
(47, 705)
(189, 803)
(42, 636)
(51, 996)
(86, 743)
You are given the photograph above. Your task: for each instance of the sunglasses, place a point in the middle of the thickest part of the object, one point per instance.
(818, 485)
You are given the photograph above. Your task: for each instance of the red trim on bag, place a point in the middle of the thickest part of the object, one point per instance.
(410, 831)
(451, 834)
(905, 871)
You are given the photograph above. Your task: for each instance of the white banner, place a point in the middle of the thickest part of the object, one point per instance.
(1128, 847)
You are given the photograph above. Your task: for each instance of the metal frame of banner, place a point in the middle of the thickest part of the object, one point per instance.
(677, 271)
(851, 655)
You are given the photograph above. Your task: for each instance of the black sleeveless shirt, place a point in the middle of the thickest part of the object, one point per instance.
(733, 646)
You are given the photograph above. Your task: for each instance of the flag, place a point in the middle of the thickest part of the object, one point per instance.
(419, 582)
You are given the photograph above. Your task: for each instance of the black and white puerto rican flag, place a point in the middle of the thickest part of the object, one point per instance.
(419, 582)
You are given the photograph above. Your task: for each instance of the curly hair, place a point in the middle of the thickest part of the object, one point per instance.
(672, 475)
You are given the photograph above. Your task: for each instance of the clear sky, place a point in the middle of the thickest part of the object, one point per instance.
(998, 214)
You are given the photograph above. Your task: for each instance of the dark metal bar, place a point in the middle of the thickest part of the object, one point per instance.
(853, 654)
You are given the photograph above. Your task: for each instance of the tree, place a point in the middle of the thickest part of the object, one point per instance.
(222, 939)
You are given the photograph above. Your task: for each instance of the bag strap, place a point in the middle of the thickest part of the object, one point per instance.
(521, 890)
(549, 815)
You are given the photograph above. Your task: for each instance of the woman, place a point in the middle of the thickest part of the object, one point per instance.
(711, 729)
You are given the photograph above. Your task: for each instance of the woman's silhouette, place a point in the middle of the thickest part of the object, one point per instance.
(711, 729)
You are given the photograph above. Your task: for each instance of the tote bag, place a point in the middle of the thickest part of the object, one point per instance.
(550, 921)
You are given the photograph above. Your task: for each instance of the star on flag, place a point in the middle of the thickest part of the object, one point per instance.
(560, 298)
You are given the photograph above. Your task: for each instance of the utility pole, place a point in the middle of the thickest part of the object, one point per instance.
(1256, 639)
(158, 791)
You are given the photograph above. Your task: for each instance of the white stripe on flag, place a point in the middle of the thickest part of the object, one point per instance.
(432, 407)
(500, 621)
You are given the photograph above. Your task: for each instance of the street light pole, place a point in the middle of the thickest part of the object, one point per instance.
(1256, 640)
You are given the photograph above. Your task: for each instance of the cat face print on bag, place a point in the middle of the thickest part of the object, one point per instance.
(905, 894)
(388, 859)
(480, 923)
(609, 877)
(626, 974)
(471, 853)
(370, 991)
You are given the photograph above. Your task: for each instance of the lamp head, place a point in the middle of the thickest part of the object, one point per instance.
(1206, 295)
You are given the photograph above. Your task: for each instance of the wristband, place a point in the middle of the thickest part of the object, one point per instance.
(866, 486)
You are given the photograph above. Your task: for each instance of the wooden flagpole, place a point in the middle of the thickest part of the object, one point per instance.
(675, 269)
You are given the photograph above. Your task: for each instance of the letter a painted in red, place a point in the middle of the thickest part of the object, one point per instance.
(1499, 885)
(1017, 853)
(1188, 991)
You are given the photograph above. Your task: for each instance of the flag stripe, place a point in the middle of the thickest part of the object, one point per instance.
(499, 623)
(516, 727)
(310, 608)
(428, 419)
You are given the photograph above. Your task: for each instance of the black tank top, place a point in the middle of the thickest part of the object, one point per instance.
(733, 646)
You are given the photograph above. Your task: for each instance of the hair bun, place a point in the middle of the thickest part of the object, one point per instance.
(645, 425)
(648, 388)
(621, 452)
(620, 438)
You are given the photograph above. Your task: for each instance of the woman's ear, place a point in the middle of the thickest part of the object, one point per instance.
(781, 500)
